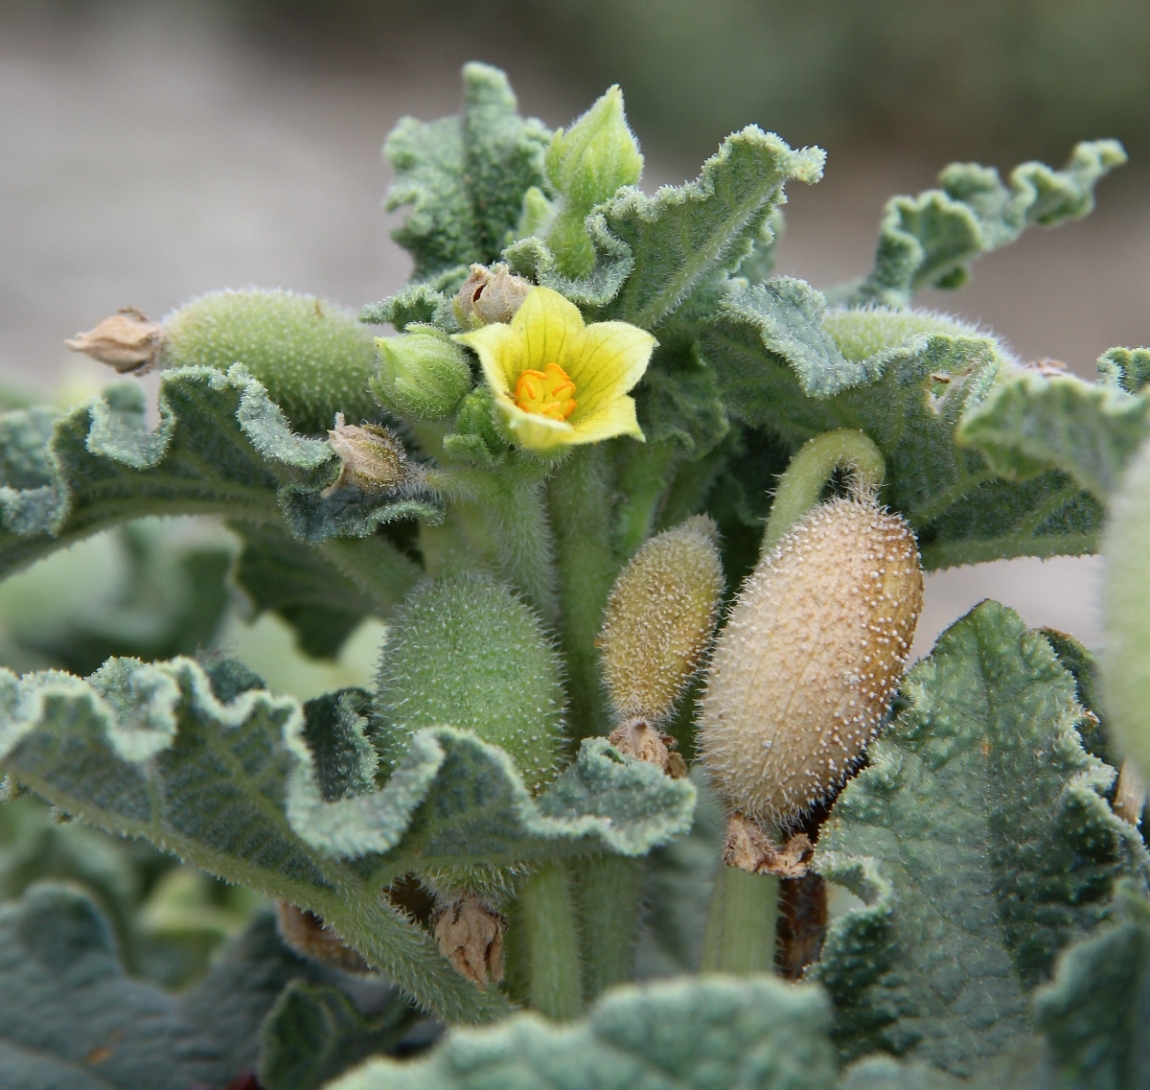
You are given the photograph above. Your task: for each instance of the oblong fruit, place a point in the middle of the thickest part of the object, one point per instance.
(803, 672)
(464, 651)
(314, 358)
(660, 618)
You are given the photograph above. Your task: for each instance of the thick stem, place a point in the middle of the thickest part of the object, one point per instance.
(741, 920)
(801, 486)
(609, 891)
(579, 500)
(643, 480)
(376, 566)
(553, 943)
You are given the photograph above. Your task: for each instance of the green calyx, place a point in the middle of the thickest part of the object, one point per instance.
(422, 375)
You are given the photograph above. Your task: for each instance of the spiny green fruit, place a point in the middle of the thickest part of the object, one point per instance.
(1126, 615)
(803, 671)
(660, 618)
(464, 651)
(314, 357)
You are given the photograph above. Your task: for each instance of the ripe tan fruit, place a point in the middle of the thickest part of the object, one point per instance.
(803, 672)
(659, 620)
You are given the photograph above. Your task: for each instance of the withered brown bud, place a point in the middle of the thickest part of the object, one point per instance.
(1130, 795)
(306, 934)
(470, 935)
(489, 295)
(126, 341)
(639, 739)
(373, 459)
(750, 848)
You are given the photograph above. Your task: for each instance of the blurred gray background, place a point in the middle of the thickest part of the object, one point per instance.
(153, 151)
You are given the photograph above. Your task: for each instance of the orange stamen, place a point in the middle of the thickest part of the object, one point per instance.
(546, 393)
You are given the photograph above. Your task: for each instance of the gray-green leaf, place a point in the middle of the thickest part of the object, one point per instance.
(980, 844)
(690, 1034)
(209, 765)
(930, 240)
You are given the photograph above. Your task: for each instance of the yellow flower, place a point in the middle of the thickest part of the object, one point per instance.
(558, 381)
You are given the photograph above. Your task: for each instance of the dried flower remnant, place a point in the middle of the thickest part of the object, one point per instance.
(309, 937)
(373, 458)
(470, 935)
(639, 739)
(489, 295)
(750, 849)
(803, 672)
(126, 341)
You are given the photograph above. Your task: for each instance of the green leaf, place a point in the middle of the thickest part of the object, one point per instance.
(222, 447)
(1096, 1011)
(318, 591)
(70, 1019)
(208, 765)
(686, 233)
(930, 240)
(688, 1034)
(1031, 423)
(907, 380)
(1126, 368)
(464, 177)
(315, 1034)
(980, 843)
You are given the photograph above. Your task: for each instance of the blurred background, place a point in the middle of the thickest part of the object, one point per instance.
(150, 151)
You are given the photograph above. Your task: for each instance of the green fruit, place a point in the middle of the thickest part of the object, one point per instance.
(422, 375)
(464, 651)
(314, 357)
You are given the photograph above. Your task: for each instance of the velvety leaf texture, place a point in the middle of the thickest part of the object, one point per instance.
(930, 240)
(907, 380)
(70, 1019)
(1032, 423)
(464, 177)
(739, 1035)
(1096, 1011)
(222, 447)
(210, 766)
(980, 842)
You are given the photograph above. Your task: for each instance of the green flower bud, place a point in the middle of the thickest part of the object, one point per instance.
(586, 165)
(374, 460)
(477, 417)
(464, 651)
(489, 295)
(659, 620)
(422, 374)
(314, 358)
(803, 671)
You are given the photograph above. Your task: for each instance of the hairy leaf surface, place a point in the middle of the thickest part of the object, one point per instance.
(464, 177)
(685, 1035)
(980, 842)
(241, 783)
(930, 240)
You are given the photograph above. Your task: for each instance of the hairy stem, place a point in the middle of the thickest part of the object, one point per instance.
(553, 943)
(801, 486)
(579, 500)
(643, 479)
(609, 891)
(740, 934)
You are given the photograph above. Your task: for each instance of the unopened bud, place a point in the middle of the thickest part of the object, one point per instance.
(422, 374)
(659, 620)
(477, 417)
(126, 341)
(374, 459)
(470, 936)
(489, 295)
(309, 937)
(803, 672)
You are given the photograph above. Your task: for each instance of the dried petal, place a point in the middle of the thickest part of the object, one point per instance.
(470, 936)
(126, 341)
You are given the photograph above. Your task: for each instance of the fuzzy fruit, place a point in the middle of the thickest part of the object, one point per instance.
(659, 620)
(803, 672)
(464, 651)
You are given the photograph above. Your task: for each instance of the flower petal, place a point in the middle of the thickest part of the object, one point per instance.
(532, 431)
(549, 325)
(500, 349)
(615, 417)
(607, 361)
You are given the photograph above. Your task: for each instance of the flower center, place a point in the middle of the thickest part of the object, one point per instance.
(546, 393)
